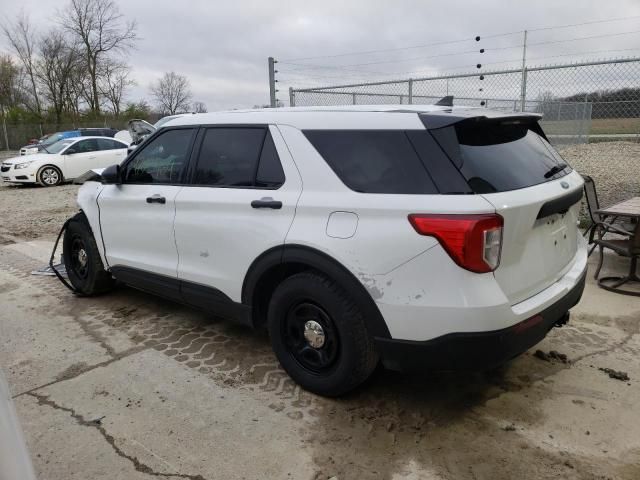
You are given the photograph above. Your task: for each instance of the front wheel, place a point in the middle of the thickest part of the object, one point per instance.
(49, 176)
(319, 335)
(82, 259)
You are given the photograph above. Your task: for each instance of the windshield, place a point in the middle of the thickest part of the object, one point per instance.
(51, 139)
(164, 120)
(59, 145)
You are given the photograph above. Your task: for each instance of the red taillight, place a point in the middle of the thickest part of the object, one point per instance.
(472, 241)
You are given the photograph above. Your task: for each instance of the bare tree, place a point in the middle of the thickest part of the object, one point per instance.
(172, 93)
(199, 107)
(56, 64)
(114, 80)
(22, 39)
(98, 27)
(9, 84)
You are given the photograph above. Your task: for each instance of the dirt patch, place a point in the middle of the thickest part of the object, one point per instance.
(615, 374)
(551, 356)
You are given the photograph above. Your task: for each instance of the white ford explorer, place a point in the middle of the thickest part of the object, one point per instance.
(424, 237)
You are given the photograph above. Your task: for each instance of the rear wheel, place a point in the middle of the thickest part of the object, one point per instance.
(49, 176)
(82, 259)
(319, 335)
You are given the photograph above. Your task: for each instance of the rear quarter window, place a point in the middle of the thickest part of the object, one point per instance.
(373, 161)
(496, 156)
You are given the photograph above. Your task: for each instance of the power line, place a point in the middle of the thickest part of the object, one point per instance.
(583, 23)
(387, 74)
(398, 60)
(367, 52)
(583, 38)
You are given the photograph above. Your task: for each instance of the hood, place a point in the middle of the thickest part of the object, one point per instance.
(34, 157)
(139, 130)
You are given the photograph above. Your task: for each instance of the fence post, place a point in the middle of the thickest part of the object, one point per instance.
(401, 97)
(272, 83)
(354, 98)
(523, 86)
(410, 91)
(292, 97)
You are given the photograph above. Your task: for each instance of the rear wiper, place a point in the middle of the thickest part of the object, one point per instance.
(555, 169)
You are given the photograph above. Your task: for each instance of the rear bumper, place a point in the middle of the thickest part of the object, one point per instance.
(478, 350)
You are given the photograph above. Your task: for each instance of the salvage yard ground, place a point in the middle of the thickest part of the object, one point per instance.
(128, 386)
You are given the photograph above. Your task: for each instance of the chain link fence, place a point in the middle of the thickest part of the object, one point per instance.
(14, 136)
(591, 110)
(579, 100)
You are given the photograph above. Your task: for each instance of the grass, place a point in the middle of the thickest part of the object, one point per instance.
(599, 126)
(603, 126)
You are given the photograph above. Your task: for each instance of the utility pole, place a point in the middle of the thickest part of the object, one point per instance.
(272, 82)
(523, 84)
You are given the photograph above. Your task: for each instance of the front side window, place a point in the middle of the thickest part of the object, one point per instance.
(238, 157)
(58, 146)
(84, 146)
(162, 160)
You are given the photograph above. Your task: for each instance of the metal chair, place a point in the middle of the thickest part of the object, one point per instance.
(598, 220)
(593, 205)
(626, 247)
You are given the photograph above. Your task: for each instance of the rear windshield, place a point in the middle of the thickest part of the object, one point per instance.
(373, 161)
(495, 156)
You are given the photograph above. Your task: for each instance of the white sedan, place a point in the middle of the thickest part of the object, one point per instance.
(64, 160)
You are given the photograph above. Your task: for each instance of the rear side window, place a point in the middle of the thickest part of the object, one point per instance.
(270, 172)
(495, 156)
(238, 157)
(373, 161)
(108, 144)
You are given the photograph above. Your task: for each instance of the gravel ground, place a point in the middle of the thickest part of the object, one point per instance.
(614, 166)
(32, 211)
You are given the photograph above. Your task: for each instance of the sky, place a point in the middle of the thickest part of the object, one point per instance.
(222, 46)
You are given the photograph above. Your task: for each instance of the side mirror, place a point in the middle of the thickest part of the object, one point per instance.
(70, 151)
(111, 175)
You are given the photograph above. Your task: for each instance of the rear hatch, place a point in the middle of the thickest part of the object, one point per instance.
(511, 164)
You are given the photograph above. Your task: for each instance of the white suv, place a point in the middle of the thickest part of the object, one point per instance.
(422, 236)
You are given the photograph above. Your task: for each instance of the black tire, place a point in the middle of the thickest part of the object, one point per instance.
(347, 356)
(85, 270)
(49, 176)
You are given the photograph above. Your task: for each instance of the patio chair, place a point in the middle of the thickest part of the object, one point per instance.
(598, 220)
(626, 247)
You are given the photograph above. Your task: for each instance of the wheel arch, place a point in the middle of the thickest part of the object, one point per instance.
(271, 267)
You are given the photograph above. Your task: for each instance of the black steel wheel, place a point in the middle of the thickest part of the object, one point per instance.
(82, 259)
(319, 335)
(311, 337)
(79, 259)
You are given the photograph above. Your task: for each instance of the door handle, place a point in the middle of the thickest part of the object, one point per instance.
(156, 199)
(267, 202)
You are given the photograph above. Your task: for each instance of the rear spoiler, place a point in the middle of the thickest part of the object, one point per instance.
(444, 118)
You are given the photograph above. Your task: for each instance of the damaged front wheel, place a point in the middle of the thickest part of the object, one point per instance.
(82, 259)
